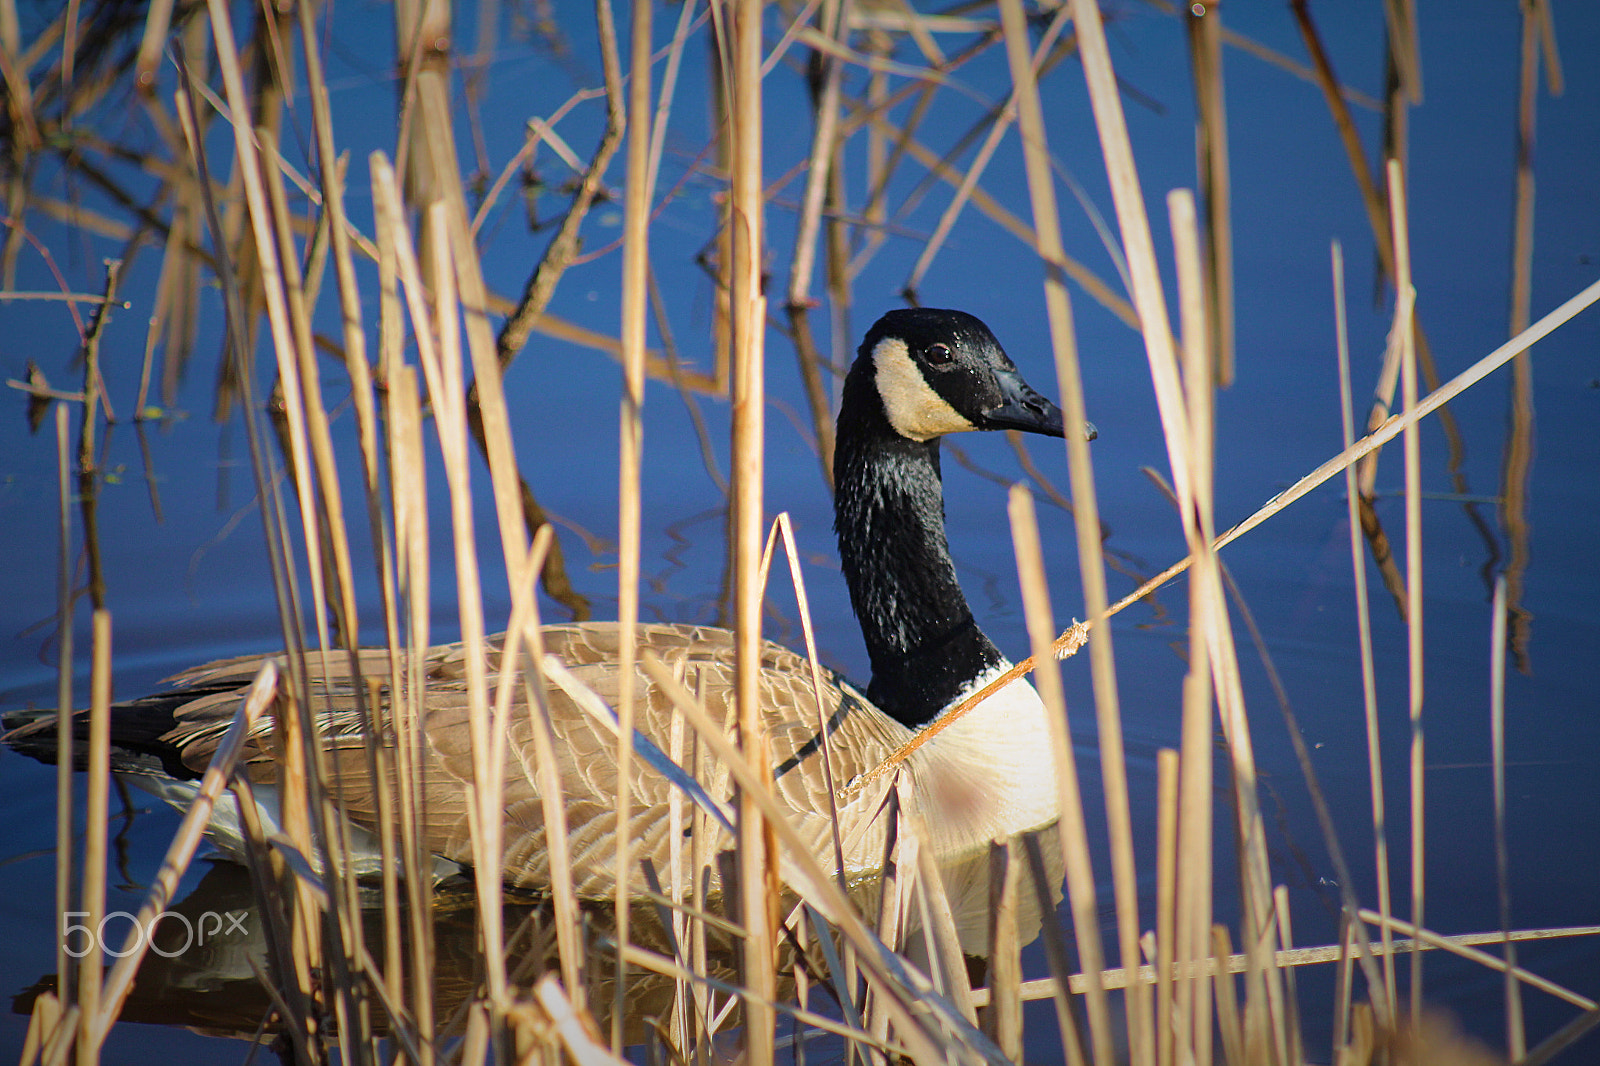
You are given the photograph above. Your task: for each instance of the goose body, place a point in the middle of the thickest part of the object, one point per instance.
(919, 374)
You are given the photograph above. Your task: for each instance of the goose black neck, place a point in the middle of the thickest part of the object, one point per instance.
(925, 646)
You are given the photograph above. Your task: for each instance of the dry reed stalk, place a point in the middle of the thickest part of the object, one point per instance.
(323, 523)
(421, 28)
(488, 417)
(1148, 298)
(92, 894)
(447, 391)
(1518, 459)
(65, 977)
(1215, 630)
(1205, 58)
(1192, 1027)
(757, 852)
(783, 527)
(49, 1028)
(1074, 829)
(94, 399)
(407, 689)
(1400, 16)
(1516, 1035)
(1167, 808)
(408, 493)
(288, 959)
(1004, 1022)
(1462, 946)
(669, 85)
(1412, 445)
(1344, 980)
(379, 757)
(894, 879)
(1369, 690)
(1228, 1027)
(1291, 1020)
(635, 259)
(1055, 943)
(682, 1020)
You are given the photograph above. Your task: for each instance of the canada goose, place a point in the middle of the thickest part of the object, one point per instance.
(919, 374)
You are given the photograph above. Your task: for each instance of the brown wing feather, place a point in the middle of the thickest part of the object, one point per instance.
(702, 657)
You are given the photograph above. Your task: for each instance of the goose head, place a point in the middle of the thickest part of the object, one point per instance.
(920, 373)
(940, 371)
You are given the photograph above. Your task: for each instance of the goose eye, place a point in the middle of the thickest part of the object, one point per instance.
(940, 354)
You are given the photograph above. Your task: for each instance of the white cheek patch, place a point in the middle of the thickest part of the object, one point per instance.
(914, 409)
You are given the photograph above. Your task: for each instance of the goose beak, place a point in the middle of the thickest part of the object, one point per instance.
(1022, 408)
